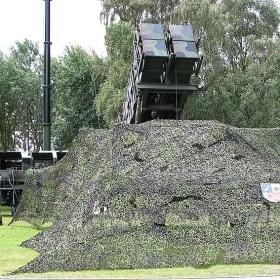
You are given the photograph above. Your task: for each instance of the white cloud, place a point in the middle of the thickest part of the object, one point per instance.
(73, 23)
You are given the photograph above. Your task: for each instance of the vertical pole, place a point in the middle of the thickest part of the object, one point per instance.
(1, 219)
(47, 79)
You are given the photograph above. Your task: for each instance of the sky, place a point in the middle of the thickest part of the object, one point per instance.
(73, 22)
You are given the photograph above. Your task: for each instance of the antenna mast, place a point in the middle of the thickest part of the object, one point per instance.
(47, 79)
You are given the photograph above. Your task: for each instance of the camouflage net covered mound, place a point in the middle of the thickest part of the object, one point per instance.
(158, 194)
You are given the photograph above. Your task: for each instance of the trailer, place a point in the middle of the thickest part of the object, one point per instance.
(13, 166)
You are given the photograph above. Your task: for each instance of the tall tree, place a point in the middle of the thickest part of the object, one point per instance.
(229, 31)
(8, 104)
(244, 22)
(135, 11)
(231, 59)
(119, 43)
(28, 62)
(77, 77)
(19, 97)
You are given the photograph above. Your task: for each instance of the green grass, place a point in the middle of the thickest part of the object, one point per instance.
(188, 272)
(12, 257)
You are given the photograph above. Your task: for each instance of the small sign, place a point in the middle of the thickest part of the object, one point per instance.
(271, 192)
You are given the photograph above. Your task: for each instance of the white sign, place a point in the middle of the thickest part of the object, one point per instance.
(271, 192)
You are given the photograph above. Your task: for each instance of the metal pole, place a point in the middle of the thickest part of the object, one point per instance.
(47, 79)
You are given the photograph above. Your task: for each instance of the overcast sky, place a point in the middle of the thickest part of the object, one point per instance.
(74, 22)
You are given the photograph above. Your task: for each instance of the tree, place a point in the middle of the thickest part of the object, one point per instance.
(245, 98)
(27, 59)
(244, 22)
(229, 31)
(119, 43)
(234, 94)
(77, 77)
(19, 96)
(7, 101)
(135, 11)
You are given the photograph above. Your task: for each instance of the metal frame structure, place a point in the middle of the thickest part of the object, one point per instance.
(11, 178)
(165, 58)
(12, 170)
(47, 79)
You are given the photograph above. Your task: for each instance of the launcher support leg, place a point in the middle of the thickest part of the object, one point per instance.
(183, 115)
(183, 106)
(1, 220)
(138, 109)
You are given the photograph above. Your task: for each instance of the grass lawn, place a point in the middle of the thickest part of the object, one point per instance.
(12, 257)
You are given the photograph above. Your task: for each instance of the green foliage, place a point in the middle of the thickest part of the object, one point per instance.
(20, 114)
(245, 98)
(241, 51)
(244, 22)
(240, 71)
(77, 78)
(136, 10)
(241, 56)
(26, 55)
(118, 40)
(119, 43)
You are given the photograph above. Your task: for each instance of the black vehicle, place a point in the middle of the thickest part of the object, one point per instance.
(12, 169)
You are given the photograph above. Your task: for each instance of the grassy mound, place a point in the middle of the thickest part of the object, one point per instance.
(159, 194)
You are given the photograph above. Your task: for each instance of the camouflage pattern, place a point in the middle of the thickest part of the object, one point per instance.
(151, 31)
(173, 193)
(183, 49)
(155, 48)
(152, 58)
(182, 33)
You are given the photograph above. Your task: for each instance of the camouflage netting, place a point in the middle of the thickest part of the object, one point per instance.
(158, 194)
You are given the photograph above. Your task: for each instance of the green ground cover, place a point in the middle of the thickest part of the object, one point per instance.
(12, 256)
